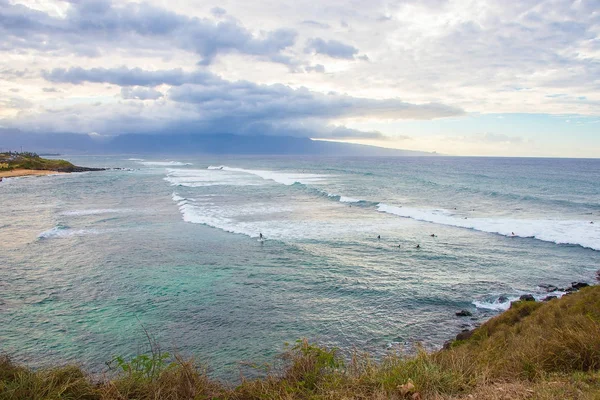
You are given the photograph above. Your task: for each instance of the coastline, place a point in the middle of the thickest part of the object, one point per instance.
(27, 172)
(542, 350)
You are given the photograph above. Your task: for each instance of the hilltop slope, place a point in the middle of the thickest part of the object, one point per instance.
(532, 351)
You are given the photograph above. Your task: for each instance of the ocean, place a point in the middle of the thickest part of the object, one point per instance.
(171, 245)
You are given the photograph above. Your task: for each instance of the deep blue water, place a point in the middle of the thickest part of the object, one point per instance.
(171, 244)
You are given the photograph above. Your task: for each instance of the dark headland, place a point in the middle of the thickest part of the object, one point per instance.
(24, 164)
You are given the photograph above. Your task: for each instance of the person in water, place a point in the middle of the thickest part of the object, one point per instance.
(418, 246)
(260, 236)
(378, 236)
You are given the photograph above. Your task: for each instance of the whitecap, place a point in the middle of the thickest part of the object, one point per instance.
(203, 177)
(285, 178)
(574, 232)
(496, 305)
(163, 163)
(61, 231)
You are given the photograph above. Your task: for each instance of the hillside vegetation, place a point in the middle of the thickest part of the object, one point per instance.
(532, 351)
(10, 161)
(13, 161)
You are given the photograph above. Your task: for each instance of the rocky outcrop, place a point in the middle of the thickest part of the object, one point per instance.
(579, 285)
(527, 297)
(75, 168)
(464, 313)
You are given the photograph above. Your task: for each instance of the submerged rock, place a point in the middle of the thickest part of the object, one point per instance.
(464, 313)
(502, 299)
(527, 297)
(579, 285)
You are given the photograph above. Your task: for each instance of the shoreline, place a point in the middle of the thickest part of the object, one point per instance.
(15, 173)
(543, 350)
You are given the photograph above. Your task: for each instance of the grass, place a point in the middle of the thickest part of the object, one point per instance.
(10, 161)
(532, 351)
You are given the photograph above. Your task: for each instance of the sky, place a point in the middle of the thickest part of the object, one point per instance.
(489, 78)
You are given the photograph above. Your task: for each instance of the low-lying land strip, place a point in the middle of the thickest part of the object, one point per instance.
(535, 350)
(24, 164)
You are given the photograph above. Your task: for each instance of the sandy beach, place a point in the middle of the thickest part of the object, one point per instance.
(26, 172)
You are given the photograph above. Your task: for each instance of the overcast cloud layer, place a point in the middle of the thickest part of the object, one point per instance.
(343, 70)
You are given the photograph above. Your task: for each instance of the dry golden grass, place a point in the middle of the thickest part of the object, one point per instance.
(533, 351)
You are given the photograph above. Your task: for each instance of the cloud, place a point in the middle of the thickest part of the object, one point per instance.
(218, 11)
(315, 24)
(50, 90)
(331, 48)
(200, 102)
(341, 132)
(92, 25)
(124, 76)
(243, 99)
(246, 98)
(320, 68)
(498, 138)
(140, 93)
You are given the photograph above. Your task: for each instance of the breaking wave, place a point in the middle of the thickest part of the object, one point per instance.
(163, 163)
(62, 231)
(581, 233)
(285, 178)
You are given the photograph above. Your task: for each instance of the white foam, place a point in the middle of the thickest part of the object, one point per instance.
(580, 233)
(135, 159)
(163, 163)
(176, 198)
(285, 178)
(94, 211)
(495, 305)
(203, 177)
(345, 199)
(63, 231)
(287, 222)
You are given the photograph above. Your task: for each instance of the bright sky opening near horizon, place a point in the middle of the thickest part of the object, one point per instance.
(490, 78)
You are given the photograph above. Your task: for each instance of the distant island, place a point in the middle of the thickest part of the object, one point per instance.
(191, 143)
(13, 164)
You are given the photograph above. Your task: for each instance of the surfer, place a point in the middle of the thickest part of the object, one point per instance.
(378, 236)
(260, 236)
(432, 235)
(418, 246)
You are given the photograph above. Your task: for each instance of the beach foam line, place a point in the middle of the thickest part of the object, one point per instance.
(573, 232)
(135, 159)
(285, 178)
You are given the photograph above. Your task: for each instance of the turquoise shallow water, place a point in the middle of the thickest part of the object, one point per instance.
(171, 244)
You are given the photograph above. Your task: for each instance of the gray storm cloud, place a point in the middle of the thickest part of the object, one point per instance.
(91, 25)
(331, 48)
(202, 102)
